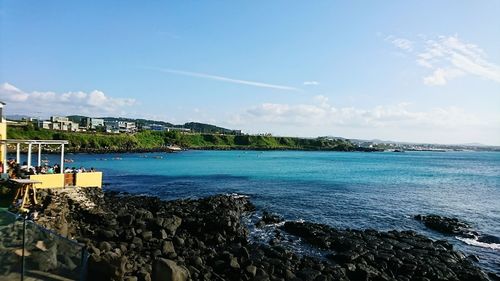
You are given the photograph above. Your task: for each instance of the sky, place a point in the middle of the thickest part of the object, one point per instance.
(420, 71)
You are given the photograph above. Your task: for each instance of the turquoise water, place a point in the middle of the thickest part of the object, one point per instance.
(347, 190)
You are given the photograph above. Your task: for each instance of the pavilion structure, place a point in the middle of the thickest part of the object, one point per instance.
(90, 179)
(30, 144)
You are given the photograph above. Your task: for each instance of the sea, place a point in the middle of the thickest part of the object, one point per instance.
(357, 190)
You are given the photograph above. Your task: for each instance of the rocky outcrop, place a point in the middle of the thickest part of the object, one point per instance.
(444, 225)
(455, 227)
(144, 238)
(393, 255)
(269, 218)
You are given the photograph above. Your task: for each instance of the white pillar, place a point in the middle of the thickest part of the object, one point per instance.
(62, 158)
(39, 155)
(29, 155)
(18, 153)
(4, 160)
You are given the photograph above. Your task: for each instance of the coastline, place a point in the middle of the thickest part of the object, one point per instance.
(139, 237)
(153, 141)
(207, 148)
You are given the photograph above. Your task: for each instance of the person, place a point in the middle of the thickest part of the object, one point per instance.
(82, 170)
(50, 170)
(31, 171)
(92, 169)
(1, 167)
(12, 171)
(24, 166)
(68, 170)
(57, 169)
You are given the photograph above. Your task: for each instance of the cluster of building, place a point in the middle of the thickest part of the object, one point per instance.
(76, 124)
(82, 124)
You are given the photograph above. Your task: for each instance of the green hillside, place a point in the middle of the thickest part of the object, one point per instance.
(153, 140)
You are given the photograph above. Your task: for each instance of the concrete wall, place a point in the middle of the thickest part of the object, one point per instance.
(57, 180)
(49, 180)
(89, 179)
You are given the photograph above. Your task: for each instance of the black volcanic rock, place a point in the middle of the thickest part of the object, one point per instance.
(444, 225)
(269, 218)
(144, 238)
(372, 255)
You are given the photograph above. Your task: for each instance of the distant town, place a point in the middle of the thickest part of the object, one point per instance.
(112, 125)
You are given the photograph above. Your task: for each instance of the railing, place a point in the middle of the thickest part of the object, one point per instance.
(30, 251)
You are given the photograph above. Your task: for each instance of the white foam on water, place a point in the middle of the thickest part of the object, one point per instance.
(476, 243)
(238, 196)
(279, 224)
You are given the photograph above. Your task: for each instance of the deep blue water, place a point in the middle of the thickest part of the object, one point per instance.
(346, 190)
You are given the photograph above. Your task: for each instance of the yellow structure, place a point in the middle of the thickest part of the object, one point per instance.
(3, 135)
(93, 179)
(89, 179)
(60, 180)
(48, 180)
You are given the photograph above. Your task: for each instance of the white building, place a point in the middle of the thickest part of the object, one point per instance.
(92, 123)
(120, 127)
(58, 123)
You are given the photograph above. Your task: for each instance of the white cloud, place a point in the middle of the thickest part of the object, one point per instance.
(400, 43)
(9, 92)
(448, 58)
(311, 83)
(399, 121)
(459, 58)
(320, 113)
(440, 76)
(47, 103)
(226, 79)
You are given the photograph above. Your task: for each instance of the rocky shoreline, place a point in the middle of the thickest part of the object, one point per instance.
(145, 238)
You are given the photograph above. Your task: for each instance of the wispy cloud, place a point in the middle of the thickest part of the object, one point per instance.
(225, 79)
(448, 57)
(49, 103)
(400, 43)
(310, 83)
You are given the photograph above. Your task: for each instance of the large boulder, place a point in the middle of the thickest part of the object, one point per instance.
(171, 224)
(45, 258)
(109, 266)
(168, 270)
(443, 224)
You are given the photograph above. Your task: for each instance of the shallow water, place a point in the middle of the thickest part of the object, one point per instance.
(346, 190)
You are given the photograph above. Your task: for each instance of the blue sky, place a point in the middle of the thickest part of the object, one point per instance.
(411, 71)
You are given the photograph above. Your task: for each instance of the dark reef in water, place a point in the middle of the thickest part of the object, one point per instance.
(145, 238)
(453, 226)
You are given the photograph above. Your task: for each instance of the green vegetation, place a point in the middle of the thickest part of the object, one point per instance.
(153, 140)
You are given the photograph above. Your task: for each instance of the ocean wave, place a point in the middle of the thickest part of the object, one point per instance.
(237, 196)
(474, 242)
